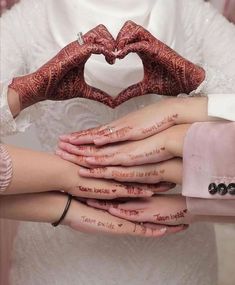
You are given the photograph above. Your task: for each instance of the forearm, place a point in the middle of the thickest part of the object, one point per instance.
(13, 102)
(192, 109)
(40, 207)
(38, 172)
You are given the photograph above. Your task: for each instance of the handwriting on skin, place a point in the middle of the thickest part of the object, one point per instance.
(136, 174)
(172, 217)
(168, 121)
(95, 222)
(147, 154)
(94, 190)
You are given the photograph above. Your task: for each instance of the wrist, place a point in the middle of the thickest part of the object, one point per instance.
(13, 102)
(68, 175)
(191, 110)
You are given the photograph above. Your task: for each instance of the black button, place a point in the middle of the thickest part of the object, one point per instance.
(231, 189)
(222, 189)
(212, 189)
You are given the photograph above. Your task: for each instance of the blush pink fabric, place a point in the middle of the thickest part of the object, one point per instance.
(229, 10)
(209, 157)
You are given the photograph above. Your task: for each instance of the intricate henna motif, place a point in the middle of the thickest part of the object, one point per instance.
(165, 71)
(63, 76)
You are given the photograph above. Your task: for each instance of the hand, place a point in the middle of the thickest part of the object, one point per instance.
(104, 189)
(165, 71)
(145, 122)
(160, 209)
(88, 219)
(157, 148)
(80, 217)
(62, 77)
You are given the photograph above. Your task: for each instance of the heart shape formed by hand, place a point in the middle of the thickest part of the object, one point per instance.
(165, 71)
(113, 101)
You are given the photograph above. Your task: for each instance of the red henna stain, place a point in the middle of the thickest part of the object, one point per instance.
(165, 71)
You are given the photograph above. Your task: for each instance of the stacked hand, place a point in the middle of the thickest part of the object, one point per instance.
(145, 147)
(144, 155)
(62, 78)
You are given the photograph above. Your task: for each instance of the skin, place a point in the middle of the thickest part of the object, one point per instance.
(62, 77)
(165, 71)
(48, 172)
(80, 217)
(144, 122)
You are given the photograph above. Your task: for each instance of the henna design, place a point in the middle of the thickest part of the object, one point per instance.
(165, 71)
(63, 76)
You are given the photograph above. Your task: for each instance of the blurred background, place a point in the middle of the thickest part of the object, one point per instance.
(225, 234)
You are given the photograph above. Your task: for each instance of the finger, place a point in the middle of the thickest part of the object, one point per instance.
(137, 47)
(81, 150)
(99, 49)
(98, 95)
(103, 190)
(170, 170)
(101, 204)
(131, 32)
(136, 215)
(169, 229)
(132, 91)
(118, 135)
(100, 35)
(81, 137)
(79, 160)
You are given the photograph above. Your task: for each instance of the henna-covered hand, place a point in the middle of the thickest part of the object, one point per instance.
(62, 77)
(159, 209)
(165, 71)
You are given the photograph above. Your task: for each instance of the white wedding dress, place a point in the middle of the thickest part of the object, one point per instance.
(32, 32)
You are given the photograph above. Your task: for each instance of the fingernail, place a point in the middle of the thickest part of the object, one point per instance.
(64, 137)
(58, 152)
(163, 230)
(84, 172)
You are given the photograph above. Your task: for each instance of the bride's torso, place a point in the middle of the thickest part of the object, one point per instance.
(43, 255)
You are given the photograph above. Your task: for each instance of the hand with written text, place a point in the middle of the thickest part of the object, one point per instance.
(155, 149)
(144, 122)
(160, 209)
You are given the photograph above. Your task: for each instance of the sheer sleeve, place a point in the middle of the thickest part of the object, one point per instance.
(13, 52)
(214, 36)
